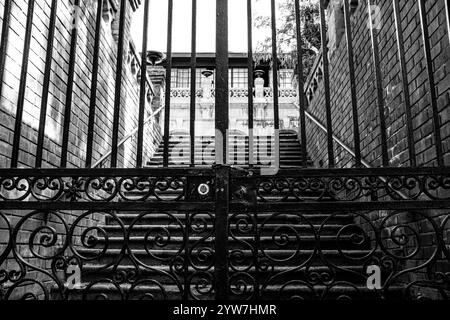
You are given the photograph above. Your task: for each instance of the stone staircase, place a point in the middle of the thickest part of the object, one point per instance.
(179, 150)
(158, 264)
(147, 255)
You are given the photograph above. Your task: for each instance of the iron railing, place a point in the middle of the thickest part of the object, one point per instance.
(171, 234)
(222, 232)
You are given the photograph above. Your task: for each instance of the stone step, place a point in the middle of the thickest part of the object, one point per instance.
(177, 229)
(152, 290)
(183, 164)
(286, 258)
(162, 274)
(211, 144)
(265, 240)
(238, 150)
(281, 135)
(274, 218)
(259, 155)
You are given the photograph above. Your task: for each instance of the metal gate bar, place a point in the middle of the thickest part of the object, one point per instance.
(221, 225)
(94, 84)
(142, 93)
(326, 83)
(447, 11)
(431, 82)
(168, 83)
(193, 79)
(276, 106)
(69, 92)
(378, 85)
(351, 74)
(46, 84)
(404, 74)
(251, 155)
(22, 86)
(118, 88)
(222, 95)
(301, 85)
(4, 40)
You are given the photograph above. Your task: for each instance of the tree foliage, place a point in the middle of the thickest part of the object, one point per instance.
(286, 33)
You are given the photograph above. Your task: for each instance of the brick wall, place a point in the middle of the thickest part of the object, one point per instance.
(391, 223)
(55, 113)
(392, 89)
(58, 86)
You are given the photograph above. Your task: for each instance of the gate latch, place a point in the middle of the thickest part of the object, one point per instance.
(203, 189)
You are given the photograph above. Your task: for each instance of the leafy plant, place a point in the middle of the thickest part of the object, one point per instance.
(287, 37)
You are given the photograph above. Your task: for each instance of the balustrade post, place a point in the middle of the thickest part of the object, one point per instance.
(207, 84)
(259, 87)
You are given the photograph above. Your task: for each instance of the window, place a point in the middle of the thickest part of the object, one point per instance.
(285, 78)
(198, 78)
(181, 78)
(238, 78)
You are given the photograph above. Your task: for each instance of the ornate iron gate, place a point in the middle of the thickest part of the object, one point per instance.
(226, 232)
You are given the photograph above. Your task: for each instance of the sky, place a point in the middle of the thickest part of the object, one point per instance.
(206, 25)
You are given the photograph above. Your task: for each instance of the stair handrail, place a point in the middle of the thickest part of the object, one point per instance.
(345, 146)
(127, 137)
(335, 138)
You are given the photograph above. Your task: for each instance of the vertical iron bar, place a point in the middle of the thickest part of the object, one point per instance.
(253, 190)
(301, 89)
(404, 73)
(276, 108)
(275, 67)
(4, 40)
(251, 155)
(222, 94)
(94, 84)
(168, 85)
(379, 87)
(431, 81)
(46, 85)
(221, 230)
(447, 11)
(351, 67)
(143, 83)
(22, 86)
(69, 90)
(118, 89)
(186, 255)
(326, 81)
(193, 78)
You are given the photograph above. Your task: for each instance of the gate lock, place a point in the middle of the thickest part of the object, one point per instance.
(203, 189)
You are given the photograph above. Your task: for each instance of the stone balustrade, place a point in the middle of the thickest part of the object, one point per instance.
(237, 95)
